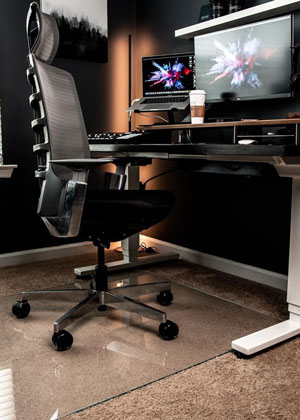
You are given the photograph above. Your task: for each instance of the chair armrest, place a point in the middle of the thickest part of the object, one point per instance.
(81, 168)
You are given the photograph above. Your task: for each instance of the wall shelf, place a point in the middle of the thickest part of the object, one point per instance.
(252, 14)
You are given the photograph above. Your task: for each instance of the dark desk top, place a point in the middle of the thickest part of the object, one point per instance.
(263, 152)
(201, 149)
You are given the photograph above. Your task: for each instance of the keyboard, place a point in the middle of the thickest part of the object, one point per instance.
(131, 137)
(164, 100)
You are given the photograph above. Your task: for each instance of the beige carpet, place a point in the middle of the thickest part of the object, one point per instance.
(43, 274)
(247, 293)
(264, 387)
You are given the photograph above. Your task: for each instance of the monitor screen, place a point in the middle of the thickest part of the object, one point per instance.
(247, 62)
(168, 74)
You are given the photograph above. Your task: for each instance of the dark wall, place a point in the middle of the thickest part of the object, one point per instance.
(245, 219)
(241, 218)
(103, 107)
(18, 202)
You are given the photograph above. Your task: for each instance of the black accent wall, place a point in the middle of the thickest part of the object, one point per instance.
(20, 227)
(245, 219)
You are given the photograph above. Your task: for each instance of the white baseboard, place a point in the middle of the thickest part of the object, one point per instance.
(245, 271)
(40, 254)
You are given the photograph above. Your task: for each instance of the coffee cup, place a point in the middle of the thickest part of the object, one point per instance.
(197, 104)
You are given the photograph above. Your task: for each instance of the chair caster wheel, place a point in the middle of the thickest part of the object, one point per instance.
(21, 309)
(165, 297)
(168, 330)
(62, 340)
(102, 308)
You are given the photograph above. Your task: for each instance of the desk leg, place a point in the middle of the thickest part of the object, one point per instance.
(275, 334)
(130, 245)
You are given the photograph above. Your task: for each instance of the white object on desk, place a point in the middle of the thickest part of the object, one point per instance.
(7, 170)
(247, 141)
(197, 101)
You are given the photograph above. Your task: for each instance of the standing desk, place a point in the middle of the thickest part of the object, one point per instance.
(285, 158)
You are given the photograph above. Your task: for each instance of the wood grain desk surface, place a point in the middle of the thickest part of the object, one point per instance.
(283, 121)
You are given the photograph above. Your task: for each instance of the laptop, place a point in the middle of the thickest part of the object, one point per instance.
(167, 81)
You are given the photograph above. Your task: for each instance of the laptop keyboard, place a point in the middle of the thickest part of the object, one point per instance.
(164, 100)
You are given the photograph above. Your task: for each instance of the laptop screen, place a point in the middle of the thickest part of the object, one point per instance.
(168, 74)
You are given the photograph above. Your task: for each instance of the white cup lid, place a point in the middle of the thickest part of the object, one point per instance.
(197, 92)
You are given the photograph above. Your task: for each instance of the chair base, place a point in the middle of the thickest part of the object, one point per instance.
(124, 264)
(98, 300)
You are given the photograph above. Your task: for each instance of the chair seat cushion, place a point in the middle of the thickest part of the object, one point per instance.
(117, 214)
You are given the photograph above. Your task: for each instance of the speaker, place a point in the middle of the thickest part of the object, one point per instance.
(295, 78)
(205, 13)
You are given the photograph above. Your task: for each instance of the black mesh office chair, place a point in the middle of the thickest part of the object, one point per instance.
(75, 195)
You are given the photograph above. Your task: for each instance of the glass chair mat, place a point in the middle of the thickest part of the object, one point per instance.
(113, 352)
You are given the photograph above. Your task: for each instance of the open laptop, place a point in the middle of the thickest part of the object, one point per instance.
(167, 81)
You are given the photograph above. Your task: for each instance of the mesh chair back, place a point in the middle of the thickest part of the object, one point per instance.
(59, 128)
(42, 34)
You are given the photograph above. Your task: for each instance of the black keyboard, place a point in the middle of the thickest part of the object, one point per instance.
(164, 100)
(131, 137)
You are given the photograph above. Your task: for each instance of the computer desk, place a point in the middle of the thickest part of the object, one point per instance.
(285, 159)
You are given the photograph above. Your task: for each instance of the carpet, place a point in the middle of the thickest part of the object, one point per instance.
(265, 387)
(225, 387)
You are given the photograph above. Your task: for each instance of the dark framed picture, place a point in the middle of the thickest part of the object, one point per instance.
(82, 27)
(205, 13)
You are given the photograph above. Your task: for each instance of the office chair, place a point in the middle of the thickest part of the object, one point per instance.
(75, 195)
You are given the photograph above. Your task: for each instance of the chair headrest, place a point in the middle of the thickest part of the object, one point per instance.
(42, 34)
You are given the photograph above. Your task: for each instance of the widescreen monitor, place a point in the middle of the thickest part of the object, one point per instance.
(247, 62)
(170, 74)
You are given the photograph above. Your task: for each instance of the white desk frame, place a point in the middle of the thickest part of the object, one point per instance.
(286, 167)
(263, 339)
(267, 337)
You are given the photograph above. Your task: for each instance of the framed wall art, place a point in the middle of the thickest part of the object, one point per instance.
(82, 26)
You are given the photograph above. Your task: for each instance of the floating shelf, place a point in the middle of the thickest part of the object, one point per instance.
(252, 14)
(7, 170)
